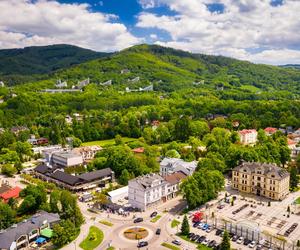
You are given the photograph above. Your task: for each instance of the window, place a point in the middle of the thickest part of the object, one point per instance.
(258, 178)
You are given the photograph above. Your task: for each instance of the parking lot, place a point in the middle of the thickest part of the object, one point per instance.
(252, 218)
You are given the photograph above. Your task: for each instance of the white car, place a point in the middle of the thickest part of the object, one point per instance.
(240, 240)
(252, 244)
(176, 242)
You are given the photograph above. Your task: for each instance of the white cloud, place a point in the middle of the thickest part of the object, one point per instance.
(153, 36)
(245, 25)
(26, 23)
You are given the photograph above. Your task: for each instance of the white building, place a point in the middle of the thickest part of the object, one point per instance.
(146, 191)
(171, 165)
(64, 158)
(118, 194)
(248, 136)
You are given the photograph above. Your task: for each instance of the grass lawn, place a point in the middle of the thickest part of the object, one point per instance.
(298, 200)
(156, 218)
(110, 248)
(106, 223)
(170, 246)
(175, 223)
(94, 238)
(108, 142)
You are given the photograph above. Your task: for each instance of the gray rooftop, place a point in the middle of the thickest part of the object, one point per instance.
(11, 234)
(146, 181)
(266, 168)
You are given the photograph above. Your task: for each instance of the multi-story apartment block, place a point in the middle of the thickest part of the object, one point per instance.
(146, 191)
(248, 136)
(262, 179)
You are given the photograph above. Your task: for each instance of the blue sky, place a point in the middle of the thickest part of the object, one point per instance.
(261, 31)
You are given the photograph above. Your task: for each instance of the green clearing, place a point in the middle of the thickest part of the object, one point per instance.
(106, 223)
(110, 248)
(175, 223)
(94, 238)
(109, 142)
(250, 88)
(156, 218)
(167, 245)
(297, 201)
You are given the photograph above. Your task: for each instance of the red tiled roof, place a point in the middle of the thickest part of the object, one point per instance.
(291, 142)
(270, 130)
(247, 131)
(12, 193)
(138, 150)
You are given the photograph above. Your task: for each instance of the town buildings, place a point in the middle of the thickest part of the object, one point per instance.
(248, 136)
(171, 165)
(22, 234)
(75, 183)
(151, 189)
(270, 131)
(146, 191)
(173, 182)
(262, 179)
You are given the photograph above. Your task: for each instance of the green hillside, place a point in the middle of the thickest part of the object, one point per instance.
(31, 63)
(170, 69)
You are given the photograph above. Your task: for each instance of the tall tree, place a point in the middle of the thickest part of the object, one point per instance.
(185, 227)
(225, 245)
(294, 178)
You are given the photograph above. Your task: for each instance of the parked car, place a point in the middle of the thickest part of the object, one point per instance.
(205, 242)
(209, 229)
(176, 242)
(190, 235)
(252, 244)
(234, 238)
(137, 220)
(196, 224)
(142, 244)
(158, 230)
(259, 247)
(212, 244)
(221, 206)
(218, 232)
(240, 240)
(196, 237)
(247, 242)
(153, 214)
(201, 239)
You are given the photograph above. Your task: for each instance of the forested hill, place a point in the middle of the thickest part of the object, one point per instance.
(30, 63)
(169, 69)
(166, 68)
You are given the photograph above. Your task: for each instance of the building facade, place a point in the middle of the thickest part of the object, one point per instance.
(261, 179)
(248, 136)
(146, 191)
(172, 165)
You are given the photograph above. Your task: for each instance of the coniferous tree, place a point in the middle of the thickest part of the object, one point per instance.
(185, 227)
(225, 245)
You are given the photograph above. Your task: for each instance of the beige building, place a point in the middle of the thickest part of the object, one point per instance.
(262, 179)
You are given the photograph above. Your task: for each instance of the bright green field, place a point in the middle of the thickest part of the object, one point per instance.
(250, 88)
(175, 223)
(108, 142)
(156, 218)
(298, 200)
(94, 238)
